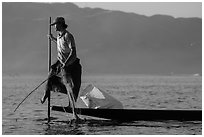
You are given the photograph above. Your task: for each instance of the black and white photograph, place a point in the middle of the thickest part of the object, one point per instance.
(101, 68)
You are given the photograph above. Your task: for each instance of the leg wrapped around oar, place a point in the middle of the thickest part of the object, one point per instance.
(54, 81)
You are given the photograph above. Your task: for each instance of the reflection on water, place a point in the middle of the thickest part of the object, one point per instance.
(92, 126)
(150, 92)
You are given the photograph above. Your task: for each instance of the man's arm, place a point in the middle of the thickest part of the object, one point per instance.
(68, 58)
(73, 50)
(52, 38)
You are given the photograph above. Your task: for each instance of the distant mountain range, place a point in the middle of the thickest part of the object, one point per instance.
(108, 42)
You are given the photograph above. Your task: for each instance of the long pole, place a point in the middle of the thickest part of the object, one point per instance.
(49, 65)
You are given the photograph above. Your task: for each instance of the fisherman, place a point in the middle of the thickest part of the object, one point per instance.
(65, 73)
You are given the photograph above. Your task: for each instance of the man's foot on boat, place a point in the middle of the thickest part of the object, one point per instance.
(76, 120)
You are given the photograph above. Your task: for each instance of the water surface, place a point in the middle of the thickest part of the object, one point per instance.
(149, 92)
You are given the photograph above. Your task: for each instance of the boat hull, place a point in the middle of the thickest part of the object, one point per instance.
(136, 114)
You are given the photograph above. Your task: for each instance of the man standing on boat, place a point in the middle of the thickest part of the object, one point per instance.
(65, 74)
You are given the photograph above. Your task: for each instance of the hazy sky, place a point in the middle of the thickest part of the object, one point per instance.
(175, 9)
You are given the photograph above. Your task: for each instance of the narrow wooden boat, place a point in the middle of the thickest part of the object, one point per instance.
(136, 114)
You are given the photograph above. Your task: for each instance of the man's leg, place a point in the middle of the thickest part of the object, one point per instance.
(76, 78)
(69, 84)
(52, 80)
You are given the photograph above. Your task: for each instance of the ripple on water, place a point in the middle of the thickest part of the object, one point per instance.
(135, 92)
